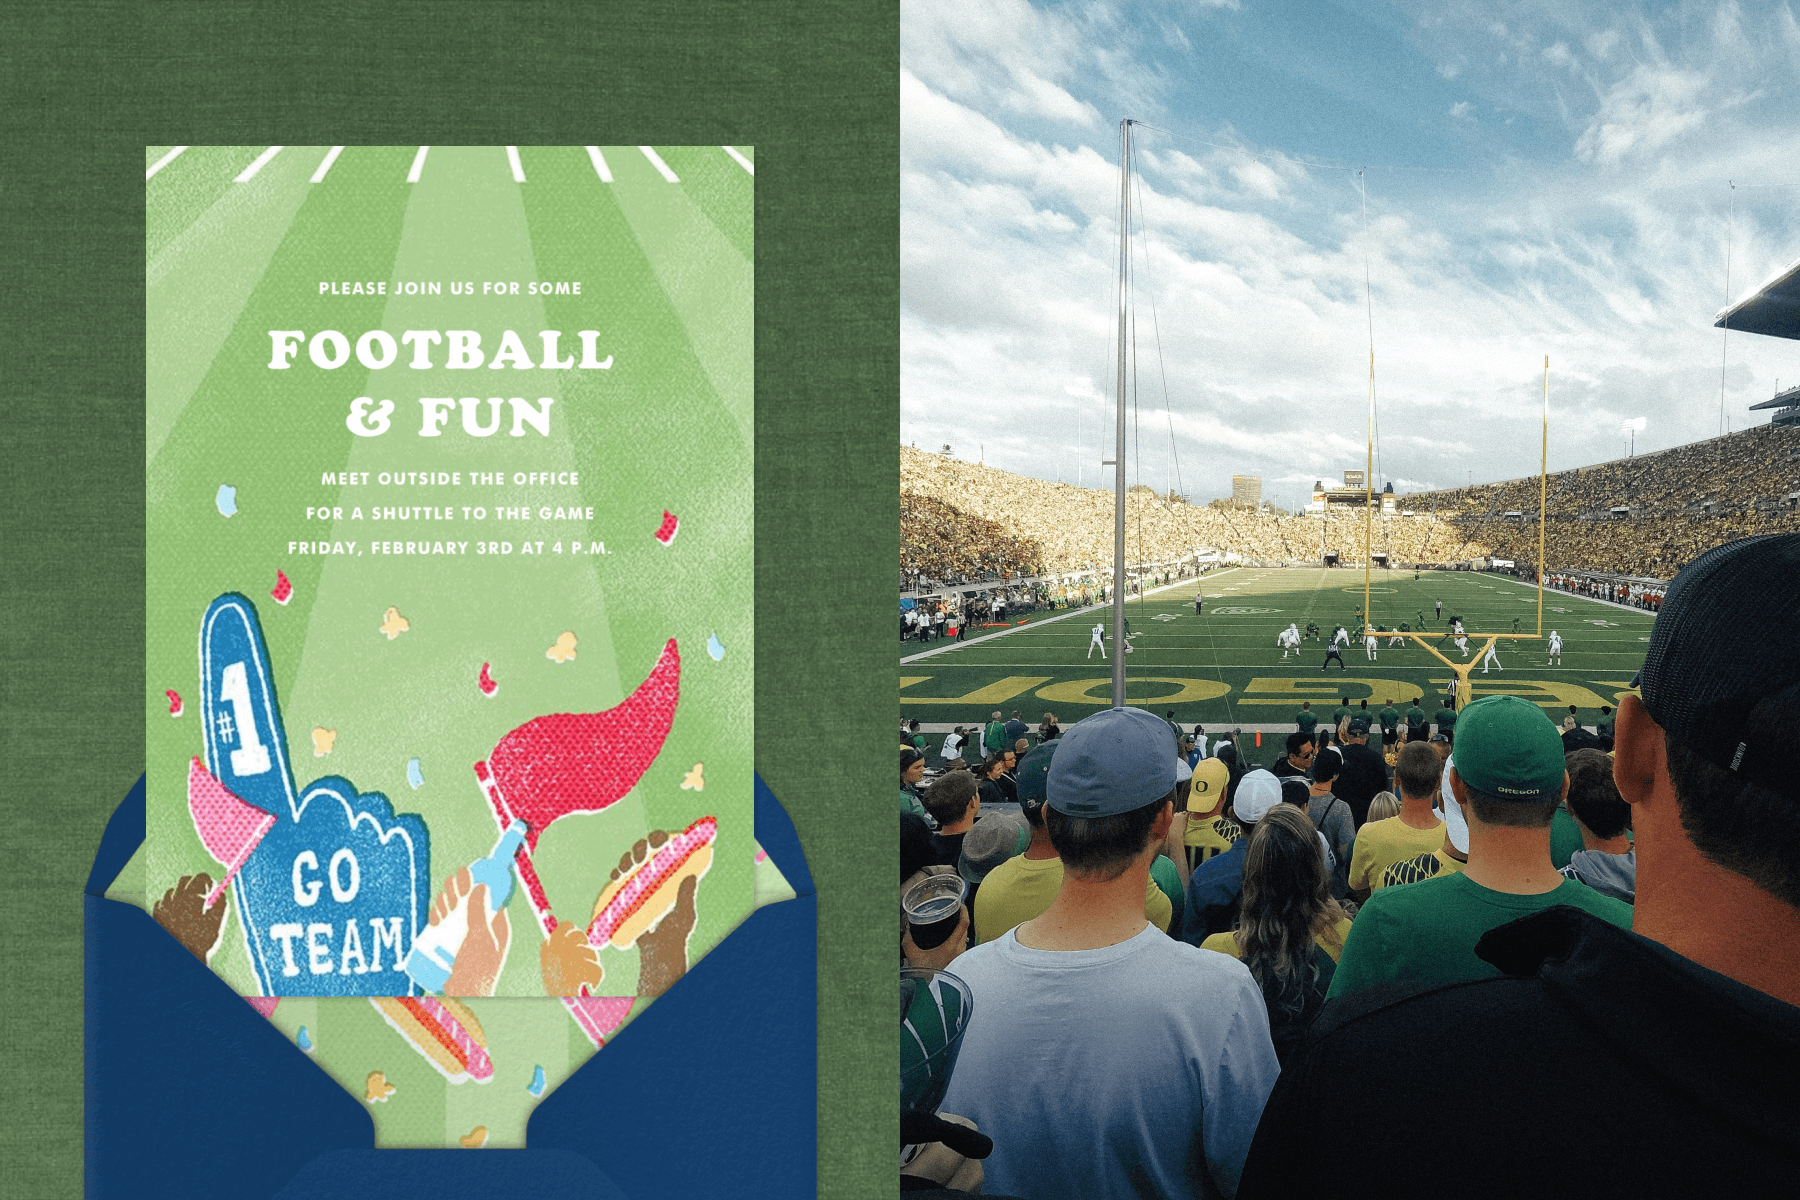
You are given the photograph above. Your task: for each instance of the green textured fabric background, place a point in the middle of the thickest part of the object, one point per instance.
(86, 86)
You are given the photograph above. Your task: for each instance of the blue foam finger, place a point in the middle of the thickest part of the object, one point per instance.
(246, 746)
(331, 901)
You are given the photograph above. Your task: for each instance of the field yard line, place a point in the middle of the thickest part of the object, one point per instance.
(262, 159)
(331, 156)
(418, 166)
(657, 162)
(600, 167)
(518, 168)
(1549, 592)
(741, 160)
(1072, 612)
(162, 162)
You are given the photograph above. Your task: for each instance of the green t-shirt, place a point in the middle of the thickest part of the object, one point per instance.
(994, 736)
(1415, 720)
(1390, 720)
(1446, 720)
(1167, 877)
(1306, 720)
(909, 803)
(1604, 727)
(1426, 932)
(1337, 718)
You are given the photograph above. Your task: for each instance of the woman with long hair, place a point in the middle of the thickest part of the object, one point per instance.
(989, 774)
(1290, 932)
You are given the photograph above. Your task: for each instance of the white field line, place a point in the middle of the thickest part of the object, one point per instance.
(741, 160)
(418, 166)
(330, 157)
(956, 645)
(162, 162)
(250, 171)
(518, 169)
(657, 162)
(600, 167)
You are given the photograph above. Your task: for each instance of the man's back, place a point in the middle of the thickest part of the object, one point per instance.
(1020, 889)
(1426, 932)
(1159, 1097)
(1557, 1110)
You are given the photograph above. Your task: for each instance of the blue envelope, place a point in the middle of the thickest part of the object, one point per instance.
(712, 1091)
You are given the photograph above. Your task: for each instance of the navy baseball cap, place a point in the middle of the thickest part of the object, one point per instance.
(1722, 675)
(1113, 762)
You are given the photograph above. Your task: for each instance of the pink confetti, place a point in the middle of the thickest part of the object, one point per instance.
(283, 591)
(486, 683)
(264, 1004)
(174, 702)
(671, 524)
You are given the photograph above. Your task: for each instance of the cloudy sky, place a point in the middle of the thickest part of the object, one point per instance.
(1542, 178)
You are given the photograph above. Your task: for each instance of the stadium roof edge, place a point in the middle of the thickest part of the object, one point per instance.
(1772, 309)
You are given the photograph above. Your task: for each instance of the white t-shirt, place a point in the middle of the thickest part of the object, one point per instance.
(952, 744)
(1098, 630)
(1139, 1069)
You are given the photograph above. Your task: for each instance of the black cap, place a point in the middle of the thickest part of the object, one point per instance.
(1722, 675)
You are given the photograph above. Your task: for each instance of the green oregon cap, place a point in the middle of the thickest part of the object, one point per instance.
(1507, 748)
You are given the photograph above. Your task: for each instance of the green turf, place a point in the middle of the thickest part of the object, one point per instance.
(1224, 668)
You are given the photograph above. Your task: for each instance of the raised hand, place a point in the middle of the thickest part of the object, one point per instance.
(182, 912)
(483, 952)
(662, 952)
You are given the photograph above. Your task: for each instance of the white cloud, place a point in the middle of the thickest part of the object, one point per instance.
(1642, 112)
(1462, 110)
(1558, 54)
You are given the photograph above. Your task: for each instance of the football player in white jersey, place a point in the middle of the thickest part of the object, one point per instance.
(1490, 657)
(1369, 643)
(1099, 629)
(1555, 649)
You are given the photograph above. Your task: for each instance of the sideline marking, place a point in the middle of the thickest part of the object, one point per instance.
(250, 171)
(599, 161)
(518, 170)
(418, 166)
(162, 162)
(741, 160)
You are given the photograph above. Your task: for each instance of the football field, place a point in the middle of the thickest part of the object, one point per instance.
(1224, 668)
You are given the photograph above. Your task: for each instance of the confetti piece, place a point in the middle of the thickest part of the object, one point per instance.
(264, 1004)
(476, 1139)
(691, 782)
(174, 702)
(393, 624)
(303, 1040)
(323, 741)
(716, 648)
(537, 1084)
(414, 775)
(486, 683)
(283, 591)
(670, 525)
(564, 650)
(377, 1089)
(762, 855)
(226, 500)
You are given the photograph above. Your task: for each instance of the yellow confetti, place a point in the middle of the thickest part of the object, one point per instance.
(564, 650)
(377, 1089)
(476, 1139)
(692, 782)
(323, 741)
(393, 624)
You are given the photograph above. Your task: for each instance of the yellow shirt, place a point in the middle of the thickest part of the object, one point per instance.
(1331, 942)
(1211, 835)
(1425, 866)
(1381, 844)
(1021, 888)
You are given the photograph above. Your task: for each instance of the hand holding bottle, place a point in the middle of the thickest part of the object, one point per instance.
(483, 950)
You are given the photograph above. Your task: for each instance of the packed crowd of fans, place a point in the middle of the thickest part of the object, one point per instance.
(942, 542)
(1677, 504)
(1072, 527)
(1171, 969)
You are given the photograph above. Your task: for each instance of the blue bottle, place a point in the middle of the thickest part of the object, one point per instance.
(434, 951)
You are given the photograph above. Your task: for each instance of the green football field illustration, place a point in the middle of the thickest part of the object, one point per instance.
(469, 430)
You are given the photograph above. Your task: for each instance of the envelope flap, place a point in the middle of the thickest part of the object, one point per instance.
(776, 835)
(124, 834)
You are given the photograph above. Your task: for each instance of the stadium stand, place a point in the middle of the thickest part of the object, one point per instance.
(1646, 515)
(955, 513)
